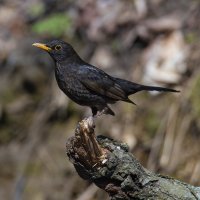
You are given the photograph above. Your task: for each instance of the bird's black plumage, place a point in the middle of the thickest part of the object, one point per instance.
(88, 85)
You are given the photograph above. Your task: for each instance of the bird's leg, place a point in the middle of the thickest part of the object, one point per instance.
(96, 113)
(99, 113)
(105, 110)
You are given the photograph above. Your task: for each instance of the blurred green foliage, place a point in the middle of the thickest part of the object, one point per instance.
(195, 96)
(191, 38)
(151, 122)
(54, 25)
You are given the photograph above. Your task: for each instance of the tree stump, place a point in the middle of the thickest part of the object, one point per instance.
(111, 166)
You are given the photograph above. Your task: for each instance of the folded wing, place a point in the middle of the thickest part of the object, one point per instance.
(101, 83)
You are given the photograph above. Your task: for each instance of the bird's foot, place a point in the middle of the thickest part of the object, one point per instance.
(89, 123)
(99, 113)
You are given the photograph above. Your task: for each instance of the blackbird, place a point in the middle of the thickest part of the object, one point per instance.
(88, 85)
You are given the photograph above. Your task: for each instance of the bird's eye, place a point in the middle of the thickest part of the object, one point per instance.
(58, 47)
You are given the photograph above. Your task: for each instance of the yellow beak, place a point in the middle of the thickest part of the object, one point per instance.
(42, 46)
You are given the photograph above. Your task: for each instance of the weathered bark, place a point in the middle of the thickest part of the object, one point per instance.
(113, 168)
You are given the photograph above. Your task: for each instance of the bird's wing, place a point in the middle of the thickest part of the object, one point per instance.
(100, 82)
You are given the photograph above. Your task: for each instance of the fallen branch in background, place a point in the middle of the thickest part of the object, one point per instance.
(111, 166)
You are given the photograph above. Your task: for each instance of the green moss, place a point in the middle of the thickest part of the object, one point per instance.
(54, 25)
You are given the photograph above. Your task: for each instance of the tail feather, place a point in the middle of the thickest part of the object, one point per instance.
(155, 88)
(131, 87)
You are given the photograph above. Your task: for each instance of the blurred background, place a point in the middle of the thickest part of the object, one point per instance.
(153, 42)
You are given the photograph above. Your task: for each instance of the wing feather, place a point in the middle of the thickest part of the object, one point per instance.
(100, 83)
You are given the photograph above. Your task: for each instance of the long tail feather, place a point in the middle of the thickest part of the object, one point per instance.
(131, 87)
(155, 88)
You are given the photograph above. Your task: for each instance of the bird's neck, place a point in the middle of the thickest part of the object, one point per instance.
(71, 61)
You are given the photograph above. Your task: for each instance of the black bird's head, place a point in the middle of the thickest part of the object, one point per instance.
(59, 50)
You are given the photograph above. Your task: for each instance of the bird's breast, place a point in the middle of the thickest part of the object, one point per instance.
(71, 86)
(68, 81)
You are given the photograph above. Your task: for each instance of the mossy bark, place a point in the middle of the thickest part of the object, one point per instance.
(111, 166)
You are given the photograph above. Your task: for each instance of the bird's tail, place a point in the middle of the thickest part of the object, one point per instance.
(131, 87)
(155, 88)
